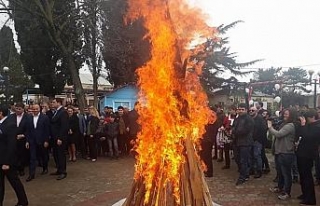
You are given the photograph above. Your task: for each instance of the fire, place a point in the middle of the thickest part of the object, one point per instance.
(174, 105)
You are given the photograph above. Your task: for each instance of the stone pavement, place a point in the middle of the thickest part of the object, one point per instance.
(106, 181)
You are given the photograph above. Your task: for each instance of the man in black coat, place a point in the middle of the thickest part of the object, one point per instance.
(21, 119)
(242, 130)
(80, 144)
(59, 132)
(8, 156)
(206, 148)
(259, 138)
(307, 151)
(38, 141)
(133, 127)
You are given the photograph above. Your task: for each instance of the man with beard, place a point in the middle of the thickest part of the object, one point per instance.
(242, 130)
(259, 138)
(21, 119)
(122, 137)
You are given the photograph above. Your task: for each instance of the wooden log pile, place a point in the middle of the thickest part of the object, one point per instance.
(193, 189)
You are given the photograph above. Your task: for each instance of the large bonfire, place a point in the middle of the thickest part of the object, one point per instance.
(174, 106)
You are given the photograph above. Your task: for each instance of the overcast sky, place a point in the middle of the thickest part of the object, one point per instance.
(285, 33)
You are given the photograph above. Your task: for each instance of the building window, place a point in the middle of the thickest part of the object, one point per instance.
(124, 104)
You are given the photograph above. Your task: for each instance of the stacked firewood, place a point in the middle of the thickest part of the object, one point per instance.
(193, 189)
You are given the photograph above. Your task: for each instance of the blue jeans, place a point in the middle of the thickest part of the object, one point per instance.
(257, 160)
(285, 175)
(244, 152)
(113, 144)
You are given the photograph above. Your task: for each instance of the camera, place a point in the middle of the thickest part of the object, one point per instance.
(276, 121)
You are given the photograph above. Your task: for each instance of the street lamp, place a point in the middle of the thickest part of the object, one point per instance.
(29, 78)
(5, 75)
(315, 82)
(247, 93)
(277, 99)
(278, 88)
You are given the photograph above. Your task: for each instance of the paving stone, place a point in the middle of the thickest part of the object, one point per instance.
(105, 182)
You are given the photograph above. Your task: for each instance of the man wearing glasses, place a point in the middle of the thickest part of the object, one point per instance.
(242, 130)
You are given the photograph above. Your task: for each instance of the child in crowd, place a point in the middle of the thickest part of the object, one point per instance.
(112, 131)
(101, 138)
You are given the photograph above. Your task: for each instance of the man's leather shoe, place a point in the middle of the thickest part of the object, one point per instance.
(55, 173)
(300, 197)
(44, 172)
(61, 177)
(307, 203)
(256, 176)
(31, 177)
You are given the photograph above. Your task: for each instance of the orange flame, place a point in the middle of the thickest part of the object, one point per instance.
(175, 105)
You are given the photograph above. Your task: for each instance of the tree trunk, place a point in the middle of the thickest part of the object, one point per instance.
(95, 73)
(77, 85)
(95, 77)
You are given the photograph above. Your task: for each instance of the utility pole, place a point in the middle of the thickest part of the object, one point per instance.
(315, 94)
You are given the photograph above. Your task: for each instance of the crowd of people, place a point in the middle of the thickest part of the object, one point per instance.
(245, 132)
(30, 133)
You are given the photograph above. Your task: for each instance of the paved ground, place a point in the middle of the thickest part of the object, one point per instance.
(106, 181)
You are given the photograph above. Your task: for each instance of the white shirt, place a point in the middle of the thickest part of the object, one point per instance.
(55, 112)
(2, 120)
(19, 118)
(35, 120)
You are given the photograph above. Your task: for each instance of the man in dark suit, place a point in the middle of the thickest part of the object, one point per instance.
(21, 119)
(133, 127)
(38, 141)
(59, 132)
(83, 129)
(8, 156)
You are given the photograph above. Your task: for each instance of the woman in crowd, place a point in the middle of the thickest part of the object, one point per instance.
(307, 150)
(112, 131)
(206, 145)
(284, 152)
(92, 128)
(227, 124)
(73, 133)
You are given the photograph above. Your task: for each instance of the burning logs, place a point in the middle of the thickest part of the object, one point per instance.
(174, 106)
(193, 189)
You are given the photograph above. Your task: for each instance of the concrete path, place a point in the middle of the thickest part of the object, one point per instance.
(106, 181)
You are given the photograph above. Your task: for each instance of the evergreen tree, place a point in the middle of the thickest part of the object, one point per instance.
(264, 75)
(221, 61)
(40, 57)
(14, 81)
(93, 20)
(296, 79)
(125, 48)
(60, 19)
